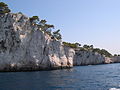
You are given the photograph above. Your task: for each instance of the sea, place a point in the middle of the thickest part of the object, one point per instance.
(92, 77)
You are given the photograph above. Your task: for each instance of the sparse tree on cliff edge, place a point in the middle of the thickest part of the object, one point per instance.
(47, 28)
(77, 44)
(4, 8)
(115, 54)
(57, 35)
(34, 19)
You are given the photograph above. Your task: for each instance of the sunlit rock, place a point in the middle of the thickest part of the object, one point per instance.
(88, 58)
(25, 47)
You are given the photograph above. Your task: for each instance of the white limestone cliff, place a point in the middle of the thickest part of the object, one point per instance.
(24, 47)
(88, 58)
(115, 59)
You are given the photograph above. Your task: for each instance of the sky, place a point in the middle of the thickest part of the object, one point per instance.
(92, 22)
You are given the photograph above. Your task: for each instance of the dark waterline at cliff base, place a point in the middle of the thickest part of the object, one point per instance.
(97, 77)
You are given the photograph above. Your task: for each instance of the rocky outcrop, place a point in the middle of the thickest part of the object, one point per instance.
(115, 59)
(93, 58)
(87, 58)
(25, 47)
(108, 60)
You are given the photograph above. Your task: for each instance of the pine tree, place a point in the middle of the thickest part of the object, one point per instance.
(4, 8)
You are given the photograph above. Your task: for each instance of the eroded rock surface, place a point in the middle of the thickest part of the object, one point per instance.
(88, 58)
(115, 59)
(24, 47)
(93, 58)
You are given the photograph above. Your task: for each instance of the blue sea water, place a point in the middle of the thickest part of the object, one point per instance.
(96, 77)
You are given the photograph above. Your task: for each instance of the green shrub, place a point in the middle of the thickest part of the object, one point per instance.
(34, 19)
(4, 8)
(102, 52)
(57, 35)
(72, 45)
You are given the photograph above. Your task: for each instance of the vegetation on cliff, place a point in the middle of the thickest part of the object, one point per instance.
(4, 8)
(116, 54)
(48, 29)
(72, 45)
(77, 46)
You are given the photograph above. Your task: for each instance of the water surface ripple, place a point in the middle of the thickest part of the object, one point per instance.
(97, 77)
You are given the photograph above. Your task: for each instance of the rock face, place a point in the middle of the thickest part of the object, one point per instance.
(115, 59)
(108, 60)
(87, 58)
(93, 58)
(24, 47)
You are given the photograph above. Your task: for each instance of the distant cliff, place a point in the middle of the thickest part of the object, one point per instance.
(93, 58)
(113, 59)
(87, 58)
(24, 46)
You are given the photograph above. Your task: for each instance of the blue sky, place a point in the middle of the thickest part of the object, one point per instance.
(95, 22)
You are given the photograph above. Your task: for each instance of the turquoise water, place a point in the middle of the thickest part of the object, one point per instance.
(97, 77)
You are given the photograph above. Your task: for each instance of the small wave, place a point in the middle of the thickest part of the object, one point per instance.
(114, 89)
(89, 65)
